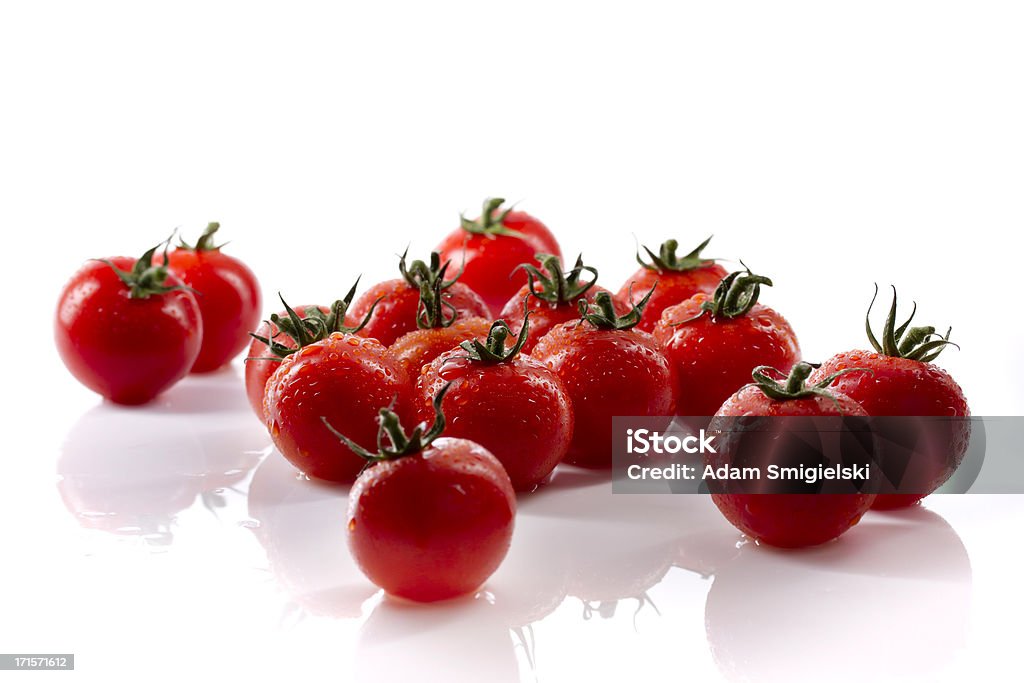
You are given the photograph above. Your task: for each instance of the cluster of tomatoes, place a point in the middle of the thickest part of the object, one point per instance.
(130, 328)
(508, 361)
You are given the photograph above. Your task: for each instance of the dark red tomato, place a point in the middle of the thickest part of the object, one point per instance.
(228, 295)
(432, 518)
(398, 301)
(345, 379)
(127, 329)
(291, 329)
(552, 297)
(608, 369)
(903, 381)
(489, 250)
(714, 342)
(677, 279)
(413, 351)
(261, 363)
(512, 405)
(790, 520)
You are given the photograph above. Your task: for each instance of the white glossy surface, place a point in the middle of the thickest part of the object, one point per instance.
(165, 537)
(829, 145)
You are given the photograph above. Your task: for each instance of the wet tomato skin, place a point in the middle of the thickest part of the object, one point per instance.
(260, 363)
(395, 314)
(343, 378)
(127, 350)
(489, 262)
(712, 359)
(792, 520)
(228, 295)
(545, 315)
(434, 525)
(905, 387)
(670, 288)
(519, 410)
(606, 373)
(414, 350)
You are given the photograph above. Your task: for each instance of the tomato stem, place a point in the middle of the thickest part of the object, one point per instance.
(914, 343)
(491, 222)
(314, 326)
(492, 350)
(557, 287)
(667, 260)
(734, 296)
(795, 384)
(145, 279)
(390, 428)
(601, 314)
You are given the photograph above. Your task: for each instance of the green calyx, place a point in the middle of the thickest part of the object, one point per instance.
(555, 286)
(734, 296)
(491, 222)
(914, 343)
(601, 314)
(433, 310)
(145, 279)
(492, 351)
(205, 241)
(667, 260)
(314, 326)
(795, 385)
(390, 429)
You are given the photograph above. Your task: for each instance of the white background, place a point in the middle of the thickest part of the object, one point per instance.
(829, 145)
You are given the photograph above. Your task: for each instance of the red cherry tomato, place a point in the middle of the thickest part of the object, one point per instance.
(127, 329)
(903, 381)
(672, 280)
(398, 301)
(489, 250)
(509, 403)
(432, 519)
(345, 379)
(552, 297)
(608, 369)
(228, 295)
(714, 342)
(791, 520)
(418, 348)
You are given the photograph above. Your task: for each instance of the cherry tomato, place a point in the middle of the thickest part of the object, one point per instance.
(714, 342)
(343, 378)
(127, 329)
(415, 350)
(608, 368)
(552, 297)
(489, 250)
(432, 518)
(509, 403)
(903, 381)
(397, 302)
(672, 279)
(228, 296)
(289, 330)
(790, 520)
